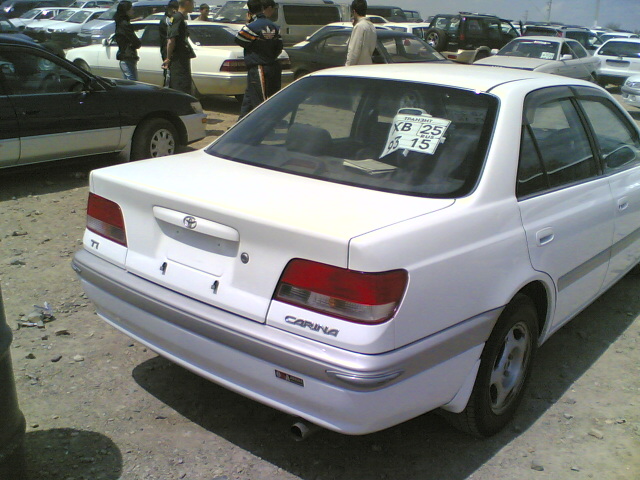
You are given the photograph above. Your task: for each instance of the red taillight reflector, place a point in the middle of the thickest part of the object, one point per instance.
(359, 297)
(233, 66)
(104, 217)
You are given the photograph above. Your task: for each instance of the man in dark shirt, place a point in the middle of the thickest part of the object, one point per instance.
(179, 52)
(262, 44)
(163, 28)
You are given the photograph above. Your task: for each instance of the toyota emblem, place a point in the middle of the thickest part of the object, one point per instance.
(190, 222)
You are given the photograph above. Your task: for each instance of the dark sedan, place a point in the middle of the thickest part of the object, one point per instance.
(329, 49)
(50, 109)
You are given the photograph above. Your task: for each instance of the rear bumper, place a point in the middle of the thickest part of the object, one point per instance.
(230, 84)
(340, 390)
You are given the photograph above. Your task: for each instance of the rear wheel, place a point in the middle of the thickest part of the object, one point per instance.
(437, 38)
(505, 366)
(155, 137)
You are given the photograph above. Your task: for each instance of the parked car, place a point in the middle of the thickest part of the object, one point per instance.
(218, 68)
(54, 110)
(560, 56)
(335, 26)
(38, 30)
(631, 91)
(92, 4)
(417, 29)
(374, 242)
(467, 37)
(391, 13)
(297, 18)
(413, 16)
(329, 49)
(15, 8)
(619, 59)
(66, 33)
(609, 35)
(95, 31)
(35, 15)
(588, 39)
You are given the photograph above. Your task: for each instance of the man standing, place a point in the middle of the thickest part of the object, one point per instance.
(179, 52)
(363, 38)
(204, 13)
(262, 44)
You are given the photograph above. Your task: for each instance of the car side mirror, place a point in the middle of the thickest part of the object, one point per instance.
(566, 56)
(494, 51)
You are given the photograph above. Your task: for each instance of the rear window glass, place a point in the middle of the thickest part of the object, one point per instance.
(394, 136)
(309, 14)
(211, 35)
(621, 49)
(531, 49)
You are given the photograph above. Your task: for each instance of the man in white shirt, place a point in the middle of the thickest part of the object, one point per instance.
(362, 42)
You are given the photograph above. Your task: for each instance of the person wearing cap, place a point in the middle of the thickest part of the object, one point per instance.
(179, 51)
(363, 39)
(262, 44)
(204, 13)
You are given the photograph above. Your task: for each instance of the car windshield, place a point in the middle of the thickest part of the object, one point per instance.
(80, 17)
(30, 14)
(531, 49)
(108, 15)
(211, 35)
(407, 49)
(394, 136)
(64, 15)
(621, 49)
(232, 12)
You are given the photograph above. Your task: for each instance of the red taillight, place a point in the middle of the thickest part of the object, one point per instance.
(104, 217)
(354, 296)
(233, 66)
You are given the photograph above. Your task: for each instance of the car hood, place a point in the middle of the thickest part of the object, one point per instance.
(514, 62)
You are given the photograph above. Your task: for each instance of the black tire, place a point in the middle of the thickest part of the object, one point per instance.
(437, 38)
(505, 368)
(602, 83)
(239, 98)
(82, 64)
(155, 137)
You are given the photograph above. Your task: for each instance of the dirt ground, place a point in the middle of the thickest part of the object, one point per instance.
(101, 406)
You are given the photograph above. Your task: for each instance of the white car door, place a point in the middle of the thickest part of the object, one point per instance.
(564, 200)
(150, 63)
(619, 147)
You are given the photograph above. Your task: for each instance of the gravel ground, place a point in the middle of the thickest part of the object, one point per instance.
(101, 406)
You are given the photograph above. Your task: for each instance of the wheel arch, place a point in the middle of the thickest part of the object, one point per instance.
(538, 293)
(171, 117)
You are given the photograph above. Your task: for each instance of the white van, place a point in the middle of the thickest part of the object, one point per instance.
(297, 18)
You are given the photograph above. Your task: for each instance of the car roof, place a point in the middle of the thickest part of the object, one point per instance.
(469, 77)
(623, 40)
(9, 39)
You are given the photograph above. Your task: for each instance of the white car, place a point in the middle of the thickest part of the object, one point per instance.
(218, 68)
(619, 59)
(36, 15)
(335, 26)
(418, 29)
(631, 91)
(556, 55)
(37, 30)
(374, 242)
(66, 33)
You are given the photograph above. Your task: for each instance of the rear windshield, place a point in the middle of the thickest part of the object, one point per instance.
(401, 137)
(210, 35)
(531, 49)
(621, 49)
(308, 14)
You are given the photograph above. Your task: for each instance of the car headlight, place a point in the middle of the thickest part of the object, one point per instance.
(197, 107)
(635, 84)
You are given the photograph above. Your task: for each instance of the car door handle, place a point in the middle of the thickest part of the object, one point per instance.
(544, 236)
(623, 203)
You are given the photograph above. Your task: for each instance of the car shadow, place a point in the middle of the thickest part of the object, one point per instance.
(62, 453)
(221, 104)
(424, 444)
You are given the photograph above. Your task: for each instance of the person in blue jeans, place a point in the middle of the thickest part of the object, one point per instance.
(128, 42)
(262, 44)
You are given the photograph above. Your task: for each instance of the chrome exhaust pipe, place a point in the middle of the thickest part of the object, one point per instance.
(301, 430)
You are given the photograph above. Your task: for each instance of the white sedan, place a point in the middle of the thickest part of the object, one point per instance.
(559, 56)
(218, 68)
(374, 242)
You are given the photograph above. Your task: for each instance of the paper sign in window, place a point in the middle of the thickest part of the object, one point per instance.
(415, 130)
